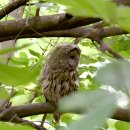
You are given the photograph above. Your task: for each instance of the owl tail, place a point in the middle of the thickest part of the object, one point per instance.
(57, 116)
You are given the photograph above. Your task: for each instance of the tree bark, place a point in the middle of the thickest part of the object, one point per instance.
(44, 108)
(12, 6)
(13, 28)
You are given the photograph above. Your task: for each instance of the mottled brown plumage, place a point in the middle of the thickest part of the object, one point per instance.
(59, 75)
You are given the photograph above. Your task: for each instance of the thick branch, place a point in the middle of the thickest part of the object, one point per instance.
(75, 32)
(42, 24)
(26, 110)
(122, 114)
(92, 33)
(59, 25)
(12, 6)
(14, 114)
(81, 31)
(43, 108)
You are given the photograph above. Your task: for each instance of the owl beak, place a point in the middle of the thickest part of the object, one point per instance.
(77, 60)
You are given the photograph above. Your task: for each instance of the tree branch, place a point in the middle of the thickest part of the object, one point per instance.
(94, 33)
(104, 47)
(38, 127)
(14, 114)
(10, 29)
(26, 110)
(44, 108)
(81, 31)
(122, 114)
(12, 6)
(59, 25)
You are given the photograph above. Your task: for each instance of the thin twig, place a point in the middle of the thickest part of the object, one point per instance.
(11, 6)
(34, 96)
(100, 50)
(33, 125)
(6, 103)
(43, 120)
(104, 47)
(37, 10)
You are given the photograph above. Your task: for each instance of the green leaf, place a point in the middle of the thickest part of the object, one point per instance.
(5, 126)
(116, 74)
(16, 76)
(98, 8)
(84, 100)
(21, 99)
(67, 118)
(22, 55)
(86, 59)
(12, 49)
(83, 84)
(89, 51)
(99, 105)
(37, 68)
(95, 118)
(34, 53)
(3, 93)
(19, 61)
(121, 125)
(123, 17)
(126, 54)
(122, 44)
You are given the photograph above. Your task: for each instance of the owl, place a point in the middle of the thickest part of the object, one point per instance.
(59, 74)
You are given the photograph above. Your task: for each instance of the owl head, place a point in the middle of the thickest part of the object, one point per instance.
(65, 57)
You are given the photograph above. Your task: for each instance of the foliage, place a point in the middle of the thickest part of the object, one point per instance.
(94, 114)
(23, 70)
(100, 8)
(5, 126)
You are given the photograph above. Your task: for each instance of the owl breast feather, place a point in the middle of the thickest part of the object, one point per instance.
(58, 84)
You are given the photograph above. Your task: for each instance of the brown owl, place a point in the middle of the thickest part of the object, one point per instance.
(60, 75)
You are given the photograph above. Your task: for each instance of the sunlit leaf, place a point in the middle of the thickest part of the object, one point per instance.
(23, 55)
(19, 61)
(21, 99)
(67, 118)
(121, 125)
(86, 59)
(37, 68)
(34, 53)
(3, 93)
(123, 18)
(5, 126)
(16, 76)
(122, 44)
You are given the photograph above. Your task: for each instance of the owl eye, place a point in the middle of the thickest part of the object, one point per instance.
(72, 57)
